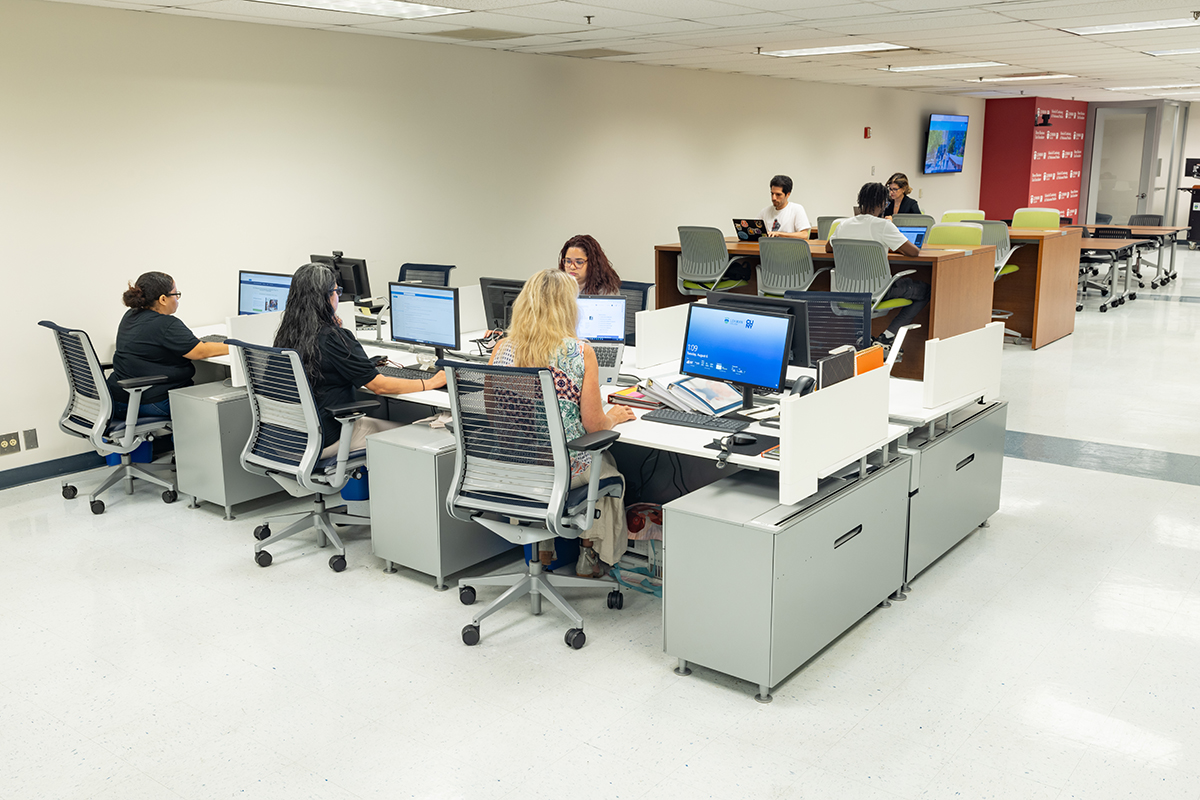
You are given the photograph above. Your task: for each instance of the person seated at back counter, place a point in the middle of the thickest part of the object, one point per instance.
(872, 199)
(583, 259)
(899, 197)
(782, 217)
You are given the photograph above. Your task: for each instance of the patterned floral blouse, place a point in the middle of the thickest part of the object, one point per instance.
(567, 368)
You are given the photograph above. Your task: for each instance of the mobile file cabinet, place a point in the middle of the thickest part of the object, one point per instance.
(755, 589)
(957, 463)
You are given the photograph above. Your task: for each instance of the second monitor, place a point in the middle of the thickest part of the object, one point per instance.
(499, 294)
(742, 347)
(351, 272)
(262, 292)
(424, 315)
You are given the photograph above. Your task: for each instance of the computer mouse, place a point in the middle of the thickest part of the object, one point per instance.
(741, 439)
(803, 385)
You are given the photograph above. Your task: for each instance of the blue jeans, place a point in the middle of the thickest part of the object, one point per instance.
(160, 409)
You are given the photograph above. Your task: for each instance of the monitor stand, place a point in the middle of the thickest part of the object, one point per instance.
(747, 398)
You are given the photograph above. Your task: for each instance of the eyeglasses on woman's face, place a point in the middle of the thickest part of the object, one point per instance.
(575, 262)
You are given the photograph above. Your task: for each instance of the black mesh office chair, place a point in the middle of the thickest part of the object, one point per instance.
(285, 445)
(432, 274)
(1152, 243)
(89, 415)
(636, 296)
(513, 476)
(836, 319)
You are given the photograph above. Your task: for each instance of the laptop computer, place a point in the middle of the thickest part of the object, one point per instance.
(749, 230)
(602, 324)
(915, 233)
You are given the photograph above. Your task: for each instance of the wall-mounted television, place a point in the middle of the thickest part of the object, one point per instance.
(946, 143)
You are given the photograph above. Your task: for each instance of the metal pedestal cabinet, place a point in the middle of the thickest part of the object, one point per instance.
(955, 481)
(211, 425)
(411, 469)
(755, 589)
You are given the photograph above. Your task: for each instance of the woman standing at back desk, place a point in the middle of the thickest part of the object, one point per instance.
(899, 201)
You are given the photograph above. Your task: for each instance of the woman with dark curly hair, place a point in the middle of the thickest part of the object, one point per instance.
(151, 340)
(583, 259)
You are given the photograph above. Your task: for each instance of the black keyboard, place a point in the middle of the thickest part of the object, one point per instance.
(213, 338)
(693, 420)
(405, 372)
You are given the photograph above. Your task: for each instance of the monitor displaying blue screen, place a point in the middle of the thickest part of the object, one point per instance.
(424, 314)
(946, 144)
(260, 292)
(601, 318)
(916, 234)
(741, 347)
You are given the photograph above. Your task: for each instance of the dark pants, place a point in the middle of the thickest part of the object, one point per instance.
(160, 409)
(907, 289)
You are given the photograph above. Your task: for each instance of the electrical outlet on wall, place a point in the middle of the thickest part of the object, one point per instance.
(9, 443)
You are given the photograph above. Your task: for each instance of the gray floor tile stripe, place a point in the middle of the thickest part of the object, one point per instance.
(1118, 459)
(1168, 298)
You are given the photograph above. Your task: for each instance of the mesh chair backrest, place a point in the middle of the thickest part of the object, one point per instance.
(860, 265)
(784, 265)
(432, 274)
(962, 215)
(913, 220)
(833, 226)
(1104, 219)
(285, 436)
(1150, 220)
(635, 294)
(89, 406)
(1036, 218)
(703, 254)
(995, 233)
(824, 226)
(1112, 233)
(835, 319)
(512, 455)
(962, 233)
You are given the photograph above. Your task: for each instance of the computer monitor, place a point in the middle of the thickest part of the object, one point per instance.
(261, 292)
(601, 318)
(499, 294)
(914, 233)
(797, 309)
(742, 347)
(351, 272)
(425, 315)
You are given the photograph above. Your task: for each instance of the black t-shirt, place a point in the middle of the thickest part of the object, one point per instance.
(344, 368)
(150, 343)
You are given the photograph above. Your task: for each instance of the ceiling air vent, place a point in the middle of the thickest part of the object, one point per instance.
(478, 35)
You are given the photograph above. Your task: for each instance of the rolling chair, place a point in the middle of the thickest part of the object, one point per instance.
(1154, 243)
(703, 261)
(824, 226)
(913, 220)
(1036, 218)
(861, 265)
(512, 476)
(636, 295)
(995, 233)
(785, 265)
(965, 234)
(432, 274)
(285, 445)
(89, 415)
(1104, 219)
(963, 215)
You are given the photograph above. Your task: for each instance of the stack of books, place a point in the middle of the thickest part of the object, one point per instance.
(682, 394)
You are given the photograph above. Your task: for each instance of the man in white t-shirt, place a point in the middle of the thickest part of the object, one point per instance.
(872, 199)
(784, 218)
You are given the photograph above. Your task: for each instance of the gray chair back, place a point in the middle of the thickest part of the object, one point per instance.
(89, 404)
(1104, 219)
(1112, 233)
(1150, 220)
(995, 233)
(913, 220)
(432, 274)
(703, 256)
(860, 265)
(636, 296)
(834, 320)
(823, 225)
(784, 265)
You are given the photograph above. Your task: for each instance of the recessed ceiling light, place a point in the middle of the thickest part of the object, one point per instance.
(828, 51)
(932, 67)
(378, 8)
(1041, 76)
(1187, 51)
(1143, 88)
(1130, 27)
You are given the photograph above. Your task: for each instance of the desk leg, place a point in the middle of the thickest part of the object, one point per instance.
(764, 694)
(682, 668)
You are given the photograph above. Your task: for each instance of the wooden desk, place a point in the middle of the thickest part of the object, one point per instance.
(960, 285)
(1042, 293)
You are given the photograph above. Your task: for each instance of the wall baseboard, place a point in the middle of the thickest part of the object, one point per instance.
(49, 469)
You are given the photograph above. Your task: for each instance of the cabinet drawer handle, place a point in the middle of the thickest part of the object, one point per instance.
(964, 462)
(847, 536)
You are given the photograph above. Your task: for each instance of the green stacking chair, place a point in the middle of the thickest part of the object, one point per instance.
(995, 233)
(833, 226)
(861, 265)
(962, 215)
(785, 265)
(963, 234)
(913, 220)
(825, 226)
(703, 261)
(1036, 218)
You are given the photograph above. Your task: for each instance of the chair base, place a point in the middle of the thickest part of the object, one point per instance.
(321, 518)
(536, 583)
(128, 472)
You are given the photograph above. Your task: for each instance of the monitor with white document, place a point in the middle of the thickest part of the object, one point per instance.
(601, 323)
(424, 315)
(747, 348)
(262, 292)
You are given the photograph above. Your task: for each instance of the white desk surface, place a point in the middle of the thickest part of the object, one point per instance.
(905, 400)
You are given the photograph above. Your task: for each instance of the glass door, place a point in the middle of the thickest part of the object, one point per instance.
(1132, 160)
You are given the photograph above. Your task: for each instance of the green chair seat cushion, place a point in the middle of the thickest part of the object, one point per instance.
(1008, 269)
(720, 287)
(886, 305)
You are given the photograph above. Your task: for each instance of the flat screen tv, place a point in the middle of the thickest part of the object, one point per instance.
(946, 143)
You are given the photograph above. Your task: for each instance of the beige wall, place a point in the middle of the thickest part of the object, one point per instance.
(136, 141)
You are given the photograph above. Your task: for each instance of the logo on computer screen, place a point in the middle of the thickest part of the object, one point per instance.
(749, 323)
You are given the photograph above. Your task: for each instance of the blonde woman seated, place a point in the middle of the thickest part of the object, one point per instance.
(542, 334)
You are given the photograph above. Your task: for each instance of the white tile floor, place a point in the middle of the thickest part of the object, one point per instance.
(1052, 655)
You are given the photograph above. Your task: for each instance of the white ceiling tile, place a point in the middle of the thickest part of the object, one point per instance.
(577, 13)
(312, 16)
(191, 12)
(679, 9)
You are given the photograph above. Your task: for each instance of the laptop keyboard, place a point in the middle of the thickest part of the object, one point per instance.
(605, 356)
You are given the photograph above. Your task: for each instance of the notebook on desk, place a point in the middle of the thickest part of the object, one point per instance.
(749, 230)
(602, 324)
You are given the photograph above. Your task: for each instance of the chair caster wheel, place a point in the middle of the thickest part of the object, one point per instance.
(69, 492)
(262, 532)
(262, 558)
(1103, 309)
(575, 638)
(470, 635)
(337, 563)
(1132, 296)
(466, 595)
(1141, 285)
(97, 506)
(616, 599)
(1079, 308)
(1103, 293)
(170, 496)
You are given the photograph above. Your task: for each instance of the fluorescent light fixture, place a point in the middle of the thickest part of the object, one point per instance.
(1187, 51)
(1131, 27)
(1144, 88)
(829, 51)
(933, 67)
(1042, 76)
(396, 9)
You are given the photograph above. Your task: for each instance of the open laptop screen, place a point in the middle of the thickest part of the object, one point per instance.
(915, 234)
(601, 318)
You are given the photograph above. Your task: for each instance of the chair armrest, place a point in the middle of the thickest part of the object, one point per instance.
(141, 383)
(591, 442)
(350, 409)
(879, 299)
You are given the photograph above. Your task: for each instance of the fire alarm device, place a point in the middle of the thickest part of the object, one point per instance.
(866, 133)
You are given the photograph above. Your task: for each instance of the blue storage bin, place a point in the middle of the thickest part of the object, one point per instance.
(357, 488)
(142, 455)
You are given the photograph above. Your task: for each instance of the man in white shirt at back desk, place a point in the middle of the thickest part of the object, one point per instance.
(872, 199)
(782, 217)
